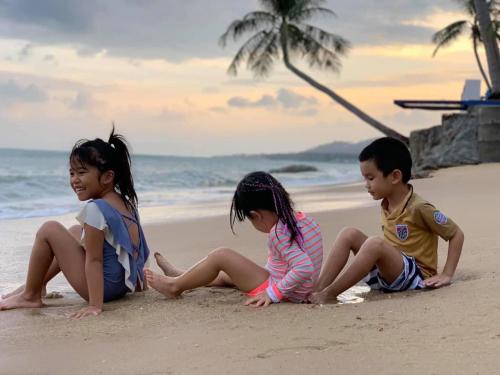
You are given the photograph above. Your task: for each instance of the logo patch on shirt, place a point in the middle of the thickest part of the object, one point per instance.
(440, 218)
(402, 231)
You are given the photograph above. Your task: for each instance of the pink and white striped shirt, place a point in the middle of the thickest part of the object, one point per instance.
(293, 269)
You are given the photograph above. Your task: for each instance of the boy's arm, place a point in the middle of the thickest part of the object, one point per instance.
(454, 250)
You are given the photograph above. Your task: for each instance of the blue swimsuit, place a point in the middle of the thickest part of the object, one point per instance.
(123, 262)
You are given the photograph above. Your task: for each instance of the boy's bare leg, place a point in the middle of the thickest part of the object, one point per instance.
(244, 273)
(349, 239)
(169, 269)
(374, 251)
(76, 231)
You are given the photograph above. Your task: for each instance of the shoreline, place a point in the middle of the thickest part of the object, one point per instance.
(18, 234)
(209, 331)
(182, 212)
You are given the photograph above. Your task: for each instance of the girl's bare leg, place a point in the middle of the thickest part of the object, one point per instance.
(349, 239)
(76, 231)
(169, 269)
(52, 240)
(244, 273)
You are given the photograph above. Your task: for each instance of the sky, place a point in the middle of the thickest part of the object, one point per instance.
(154, 68)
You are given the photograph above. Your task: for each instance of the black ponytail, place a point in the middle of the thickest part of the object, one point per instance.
(109, 156)
(123, 173)
(261, 191)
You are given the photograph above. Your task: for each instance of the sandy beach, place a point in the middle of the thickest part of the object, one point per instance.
(453, 330)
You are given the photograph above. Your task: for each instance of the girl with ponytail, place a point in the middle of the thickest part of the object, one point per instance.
(103, 257)
(295, 250)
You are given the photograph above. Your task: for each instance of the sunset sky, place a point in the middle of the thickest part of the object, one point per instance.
(68, 68)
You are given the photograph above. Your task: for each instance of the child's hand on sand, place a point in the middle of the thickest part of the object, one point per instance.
(260, 300)
(86, 311)
(438, 281)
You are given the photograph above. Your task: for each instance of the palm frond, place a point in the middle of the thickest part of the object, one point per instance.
(494, 7)
(445, 36)
(262, 61)
(339, 45)
(300, 15)
(496, 28)
(261, 47)
(285, 8)
(246, 50)
(269, 5)
(254, 21)
(317, 54)
(467, 6)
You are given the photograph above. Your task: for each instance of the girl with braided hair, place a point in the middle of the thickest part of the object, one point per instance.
(295, 250)
(102, 258)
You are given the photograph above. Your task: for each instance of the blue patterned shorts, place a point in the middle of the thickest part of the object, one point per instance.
(410, 278)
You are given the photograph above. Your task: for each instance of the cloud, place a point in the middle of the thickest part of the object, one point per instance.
(168, 29)
(11, 92)
(289, 100)
(309, 112)
(218, 109)
(83, 100)
(210, 90)
(385, 21)
(178, 30)
(265, 101)
(68, 16)
(50, 59)
(25, 52)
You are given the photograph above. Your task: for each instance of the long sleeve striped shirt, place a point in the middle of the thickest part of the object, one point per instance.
(293, 269)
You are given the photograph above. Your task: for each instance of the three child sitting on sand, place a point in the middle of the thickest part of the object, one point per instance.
(404, 259)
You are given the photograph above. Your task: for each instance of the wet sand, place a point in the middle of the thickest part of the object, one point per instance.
(453, 330)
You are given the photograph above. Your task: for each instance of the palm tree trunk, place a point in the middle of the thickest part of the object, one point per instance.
(490, 44)
(344, 103)
(479, 64)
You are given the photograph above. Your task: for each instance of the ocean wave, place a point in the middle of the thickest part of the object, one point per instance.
(36, 183)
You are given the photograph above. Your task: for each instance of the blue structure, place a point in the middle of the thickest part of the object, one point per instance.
(443, 105)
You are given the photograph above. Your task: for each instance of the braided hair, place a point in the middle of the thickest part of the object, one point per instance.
(112, 155)
(261, 191)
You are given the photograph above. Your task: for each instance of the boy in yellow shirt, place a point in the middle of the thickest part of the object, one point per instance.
(406, 257)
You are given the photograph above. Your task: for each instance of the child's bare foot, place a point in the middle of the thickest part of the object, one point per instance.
(319, 298)
(19, 290)
(167, 268)
(13, 293)
(162, 284)
(20, 301)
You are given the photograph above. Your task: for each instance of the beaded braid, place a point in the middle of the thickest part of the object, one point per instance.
(260, 190)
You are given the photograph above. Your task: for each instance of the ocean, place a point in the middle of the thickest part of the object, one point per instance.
(34, 187)
(36, 183)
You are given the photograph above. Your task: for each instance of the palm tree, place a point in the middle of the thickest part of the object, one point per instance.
(452, 32)
(489, 34)
(281, 31)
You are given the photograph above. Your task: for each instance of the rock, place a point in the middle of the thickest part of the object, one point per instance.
(295, 168)
(465, 138)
